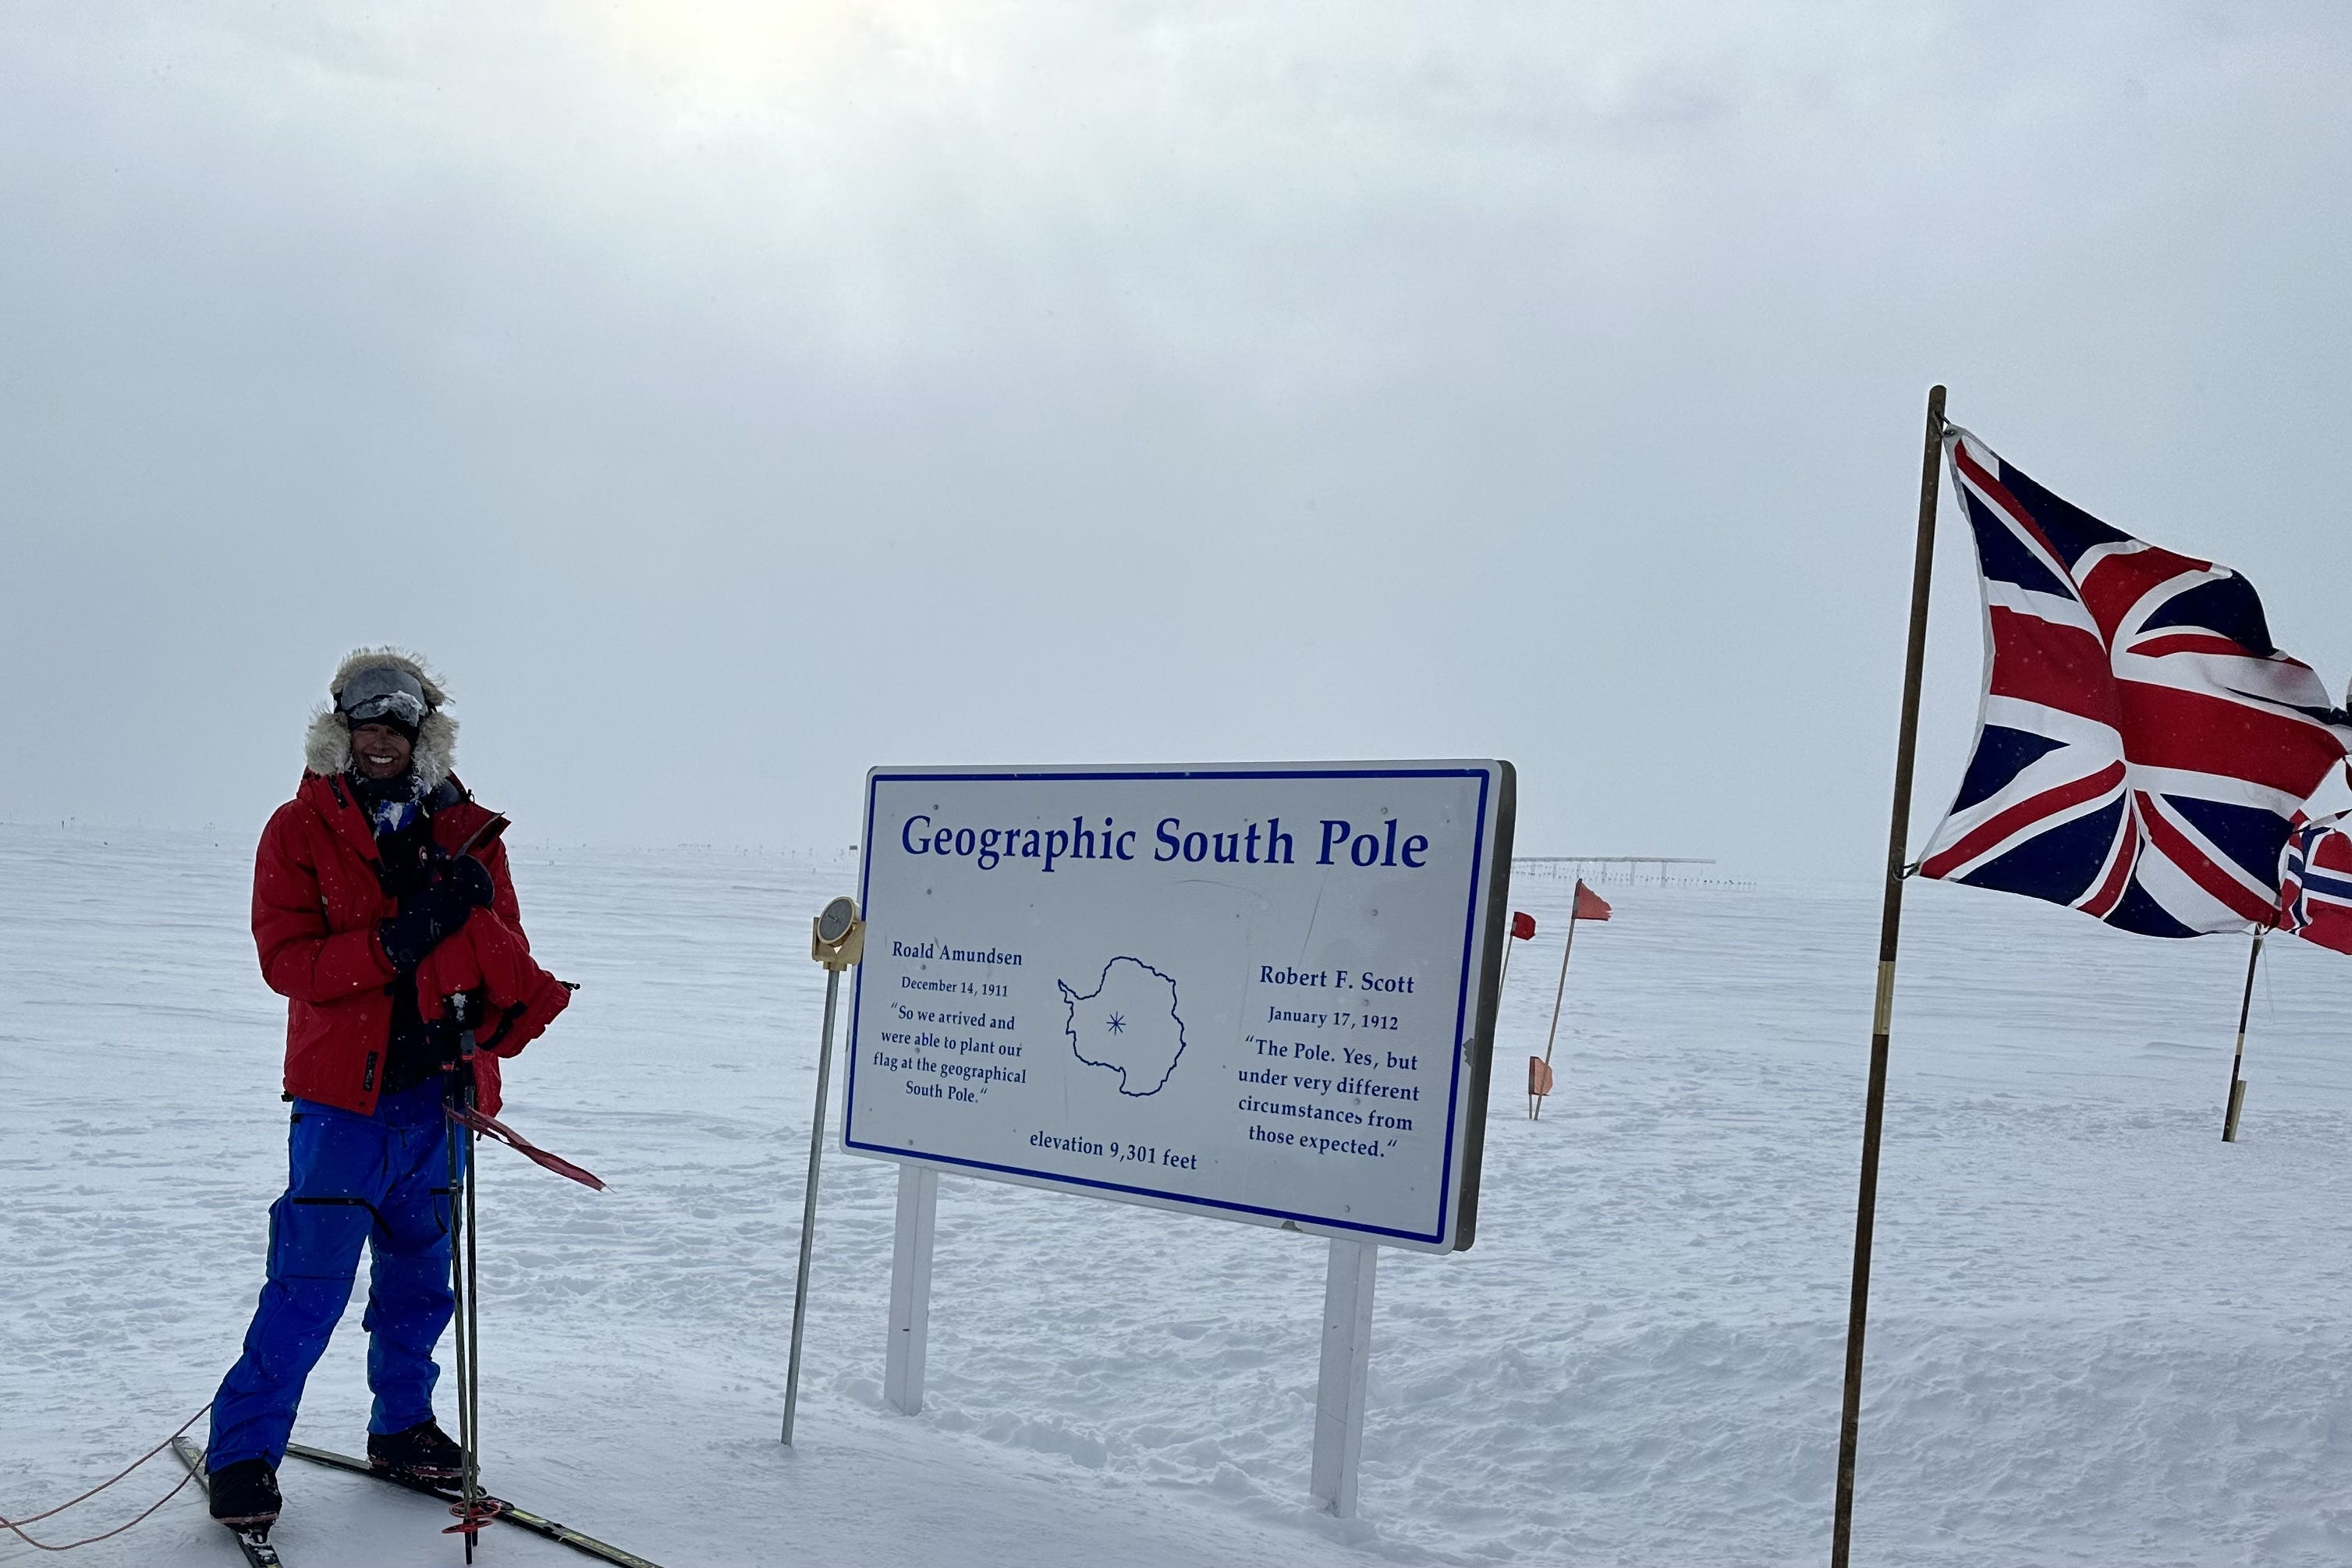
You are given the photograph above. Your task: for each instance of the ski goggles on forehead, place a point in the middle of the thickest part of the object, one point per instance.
(376, 695)
(404, 706)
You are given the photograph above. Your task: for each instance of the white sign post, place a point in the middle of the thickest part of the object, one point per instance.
(1263, 994)
(910, 1289)
(1344, 1375)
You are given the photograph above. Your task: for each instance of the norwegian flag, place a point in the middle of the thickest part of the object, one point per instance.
(2143, 748)
(2316, 883)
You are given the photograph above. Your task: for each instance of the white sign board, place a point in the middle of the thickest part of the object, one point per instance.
(1265, 992)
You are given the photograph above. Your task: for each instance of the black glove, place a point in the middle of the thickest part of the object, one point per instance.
(430, 917)
(471, 878)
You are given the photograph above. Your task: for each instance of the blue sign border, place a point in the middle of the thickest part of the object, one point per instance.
(1454, 1107)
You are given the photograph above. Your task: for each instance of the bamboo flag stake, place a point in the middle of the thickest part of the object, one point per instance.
(1523, 929)
(2245, 1006)
(1890, 926)
(1535, 1105)
(1509, 944)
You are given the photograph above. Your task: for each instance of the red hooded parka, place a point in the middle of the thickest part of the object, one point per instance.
(316, 905)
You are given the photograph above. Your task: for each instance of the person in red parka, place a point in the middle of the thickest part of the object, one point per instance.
(384, 913)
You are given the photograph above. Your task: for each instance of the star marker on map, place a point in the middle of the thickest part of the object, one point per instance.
(1128, 1025)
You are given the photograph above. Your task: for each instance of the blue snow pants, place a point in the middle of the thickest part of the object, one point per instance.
(382, 1179)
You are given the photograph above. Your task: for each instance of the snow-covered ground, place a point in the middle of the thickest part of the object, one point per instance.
(2100, 1334)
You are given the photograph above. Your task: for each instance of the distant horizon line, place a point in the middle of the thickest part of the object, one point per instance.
(93, 827)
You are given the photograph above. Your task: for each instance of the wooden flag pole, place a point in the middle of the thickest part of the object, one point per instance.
(2237, 1059)
(1535, 1110)
(1890, 926)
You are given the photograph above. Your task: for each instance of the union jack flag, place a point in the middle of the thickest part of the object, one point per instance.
(2316, 883)
(2143, 748)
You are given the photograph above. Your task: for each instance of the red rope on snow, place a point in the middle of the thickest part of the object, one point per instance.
(12, 1524)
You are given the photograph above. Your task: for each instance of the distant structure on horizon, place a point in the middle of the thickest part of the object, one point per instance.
(1574, 866)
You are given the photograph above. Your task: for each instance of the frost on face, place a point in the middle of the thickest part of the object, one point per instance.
(1128, 1025)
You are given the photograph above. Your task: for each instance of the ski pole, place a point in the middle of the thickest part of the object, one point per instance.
(457, 1278)
(465, 1280)
(473, 1372)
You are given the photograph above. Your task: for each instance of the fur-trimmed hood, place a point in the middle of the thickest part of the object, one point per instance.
(327, 747)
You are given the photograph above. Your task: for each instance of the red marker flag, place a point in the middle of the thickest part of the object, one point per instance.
(1538, 1077)
(1590, 906)
(1523, 925)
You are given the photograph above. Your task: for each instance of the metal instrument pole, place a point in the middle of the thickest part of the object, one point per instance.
(808, 1204)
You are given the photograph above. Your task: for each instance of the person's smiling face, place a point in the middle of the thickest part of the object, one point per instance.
(379, 751)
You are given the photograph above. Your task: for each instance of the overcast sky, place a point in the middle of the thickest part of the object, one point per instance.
(728, 397)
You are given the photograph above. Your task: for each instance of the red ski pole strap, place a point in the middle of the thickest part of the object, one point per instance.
(490, 1126)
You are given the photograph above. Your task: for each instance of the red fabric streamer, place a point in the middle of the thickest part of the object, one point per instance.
(491, 1127)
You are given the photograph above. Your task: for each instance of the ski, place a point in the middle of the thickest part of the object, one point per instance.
(537, 1524)
(253, 1542)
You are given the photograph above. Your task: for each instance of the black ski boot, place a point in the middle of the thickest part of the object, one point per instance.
(422, 1453)
(245, 1495)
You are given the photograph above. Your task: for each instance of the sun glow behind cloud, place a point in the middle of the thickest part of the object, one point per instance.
(732, 64)
(889, 181)
(892, 178)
